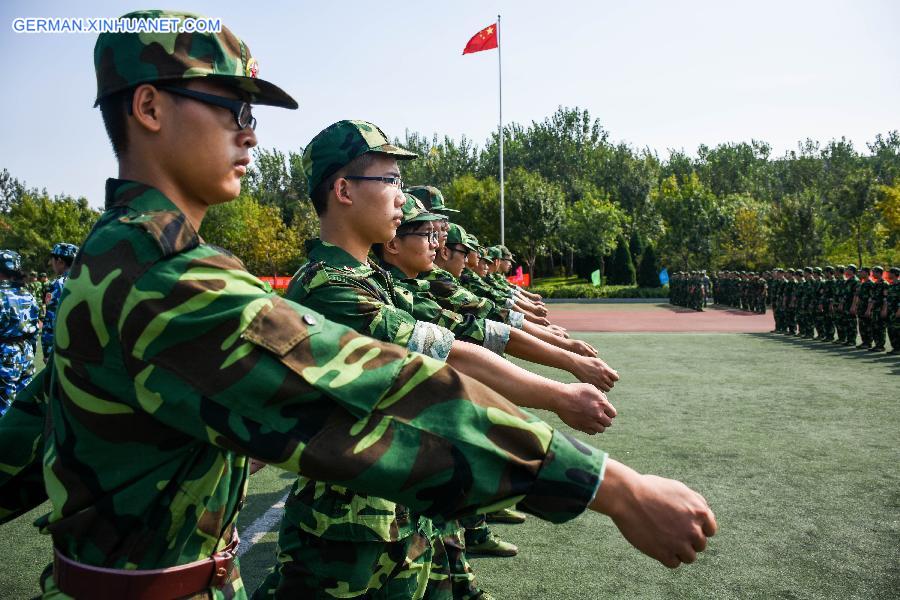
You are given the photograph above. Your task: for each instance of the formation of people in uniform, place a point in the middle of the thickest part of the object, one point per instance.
(28, 306)
(380, 379)
(690, 289)
(837, 304)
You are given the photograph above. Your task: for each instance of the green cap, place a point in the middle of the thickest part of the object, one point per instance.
(339, 143)
(878, 269)
(495, 252)
(851, 267)
(414, 211)
(431, 197)
(817, 270)
(457, 235)
(507, 255)
(125, 60)
(894, 271)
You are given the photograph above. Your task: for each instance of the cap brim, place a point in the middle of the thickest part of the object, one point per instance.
(261, 91)
(424, 218)
(446, 210)
(395, 151)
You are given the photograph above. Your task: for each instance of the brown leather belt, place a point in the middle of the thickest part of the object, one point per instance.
(98, 583)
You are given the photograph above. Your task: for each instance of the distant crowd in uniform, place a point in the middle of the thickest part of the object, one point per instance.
(852, 306)
(28, 305)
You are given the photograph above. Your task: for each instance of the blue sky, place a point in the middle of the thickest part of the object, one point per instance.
(664, 75)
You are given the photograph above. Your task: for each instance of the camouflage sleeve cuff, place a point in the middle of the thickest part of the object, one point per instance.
(509, 303)
(568, 480)
(516, 319)
(496, 336)
(431, 340)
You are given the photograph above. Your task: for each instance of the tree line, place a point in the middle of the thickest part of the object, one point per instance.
(575, 202)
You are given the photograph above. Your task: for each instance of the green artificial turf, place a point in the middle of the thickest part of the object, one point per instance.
(795, 444)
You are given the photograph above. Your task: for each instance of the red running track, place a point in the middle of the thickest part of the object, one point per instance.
(651, 317)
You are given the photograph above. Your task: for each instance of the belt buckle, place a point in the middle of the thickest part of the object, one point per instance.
(223, 565)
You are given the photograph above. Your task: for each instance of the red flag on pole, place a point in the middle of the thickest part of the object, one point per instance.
(486, 39)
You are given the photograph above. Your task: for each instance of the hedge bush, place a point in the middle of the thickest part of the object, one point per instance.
(586, 290)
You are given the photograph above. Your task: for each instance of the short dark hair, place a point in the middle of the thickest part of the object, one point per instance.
(115, 109)
(66, 259)
(357, 166)
(378, 249)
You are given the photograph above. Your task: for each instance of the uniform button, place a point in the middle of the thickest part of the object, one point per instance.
(309, 319)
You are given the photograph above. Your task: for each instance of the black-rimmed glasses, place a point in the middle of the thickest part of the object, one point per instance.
(242, 111)
(394, 181)
(432, 236)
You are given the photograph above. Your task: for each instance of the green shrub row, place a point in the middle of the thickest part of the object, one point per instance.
(586, 290)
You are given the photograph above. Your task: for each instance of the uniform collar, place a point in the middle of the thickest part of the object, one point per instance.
(334, 256)
(139, 196)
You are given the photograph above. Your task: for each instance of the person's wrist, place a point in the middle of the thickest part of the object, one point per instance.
(617, 491)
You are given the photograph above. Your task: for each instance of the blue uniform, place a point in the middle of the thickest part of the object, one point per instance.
(18, 327)
(54, 294)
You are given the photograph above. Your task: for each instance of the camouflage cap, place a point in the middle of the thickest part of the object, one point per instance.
(829, 269)
(431, 197)
(341, 142)
(817, 270)
(414, 211)
(851, 267)
(507, 255)
(495, 252)
(10, 262)
(64, 250)
(125, 60)
(894, 271)
(457, 235)
(878, 269)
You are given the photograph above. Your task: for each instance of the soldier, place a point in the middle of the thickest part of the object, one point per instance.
(353, 291)
(61, 257)
(789, 302)
(172, 364)
(859, 308)
(848, 292)
(873, 310)
(891, 309)
(18, 328)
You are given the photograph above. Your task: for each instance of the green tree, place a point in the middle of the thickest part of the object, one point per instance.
(34, 223)
(648, 271)
(478, 203)
(691, 215)
(797, 230)
(590, 228)
(255, 233)
(535, 213)
(744, 243)
(620, 270)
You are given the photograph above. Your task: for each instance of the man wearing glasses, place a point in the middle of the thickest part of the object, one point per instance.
(338, 541)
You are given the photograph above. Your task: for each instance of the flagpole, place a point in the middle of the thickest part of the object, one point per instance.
(500, 81)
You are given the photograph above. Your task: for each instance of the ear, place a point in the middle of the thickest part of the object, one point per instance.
(392, 247)
(444, 253)
(146, 108)
(342, 191)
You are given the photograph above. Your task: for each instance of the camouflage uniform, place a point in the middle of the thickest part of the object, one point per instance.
(848, 292)
(892, 299)
(18, 328)
(877, 300)
(172, 364)
(863, 295)
(54, 293)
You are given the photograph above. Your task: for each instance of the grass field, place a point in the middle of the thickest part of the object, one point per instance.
(796, 446)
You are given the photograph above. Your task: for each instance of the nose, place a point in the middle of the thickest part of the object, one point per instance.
(247, 138)
(399, 199)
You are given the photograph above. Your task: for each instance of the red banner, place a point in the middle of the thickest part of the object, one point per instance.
(520, 279)
(278, 283)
